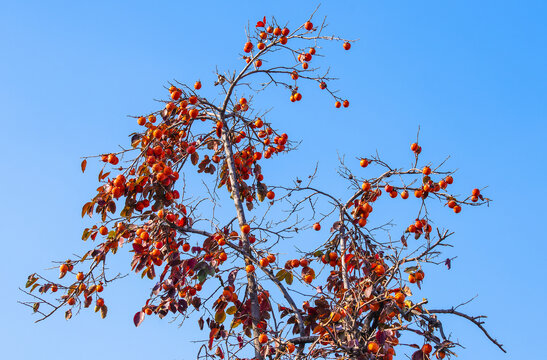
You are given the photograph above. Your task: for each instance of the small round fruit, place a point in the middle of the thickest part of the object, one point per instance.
(245, 229)
(290, 347)
(262, 338)
(346, 46)
(264, 262)
(373, 347)
(379, 270)
(250, 268)
(197, 85)
(270, 195)
(316, 226)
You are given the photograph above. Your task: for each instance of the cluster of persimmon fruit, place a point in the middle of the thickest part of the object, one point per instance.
(79, 288)
(268, 35)
(147, 188)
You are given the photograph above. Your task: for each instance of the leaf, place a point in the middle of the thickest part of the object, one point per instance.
(200, 323)
(34, 287)
(220, 317)
(403, 240)
(289, 278)
(418, 355)
(68, 314)
(406, 290)
(232, 276)
(101, 177)
(411, 269)
(138, 318)
(448, 263)
(231, 310)
(261, 191)
(281, 275)
(202, 275)
(194, 158)
(381, 337)
(31, 280)
(35, 307)
(104, 311)
(84, 164)
(86, 207)
(235, 323)
(85, 256)
(261, 23)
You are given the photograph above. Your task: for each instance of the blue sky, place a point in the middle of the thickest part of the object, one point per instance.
(470, 74)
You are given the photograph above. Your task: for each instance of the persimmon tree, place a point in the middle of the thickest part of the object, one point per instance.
(347, 295)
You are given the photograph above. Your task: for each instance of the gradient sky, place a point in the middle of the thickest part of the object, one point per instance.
(471, 74)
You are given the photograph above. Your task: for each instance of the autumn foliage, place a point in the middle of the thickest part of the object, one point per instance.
(348, 296)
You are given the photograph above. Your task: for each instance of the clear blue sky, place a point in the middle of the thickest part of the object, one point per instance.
(470, 73)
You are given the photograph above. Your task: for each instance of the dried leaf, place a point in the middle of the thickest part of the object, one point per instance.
(231, 310)
(289, 278)
(138, 318)
(84, 164)
(194, 158)
(418, 355)
(281, 275)
(220, 317)
(31, 280)
(104, 311)
(68, 314)
(411, 269)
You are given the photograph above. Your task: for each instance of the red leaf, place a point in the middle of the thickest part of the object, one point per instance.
(261, 23)
(138, 248)
(138, 318)
(418, 355)
(84, 163)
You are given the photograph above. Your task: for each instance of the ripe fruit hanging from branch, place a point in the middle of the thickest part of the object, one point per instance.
(354, 283)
